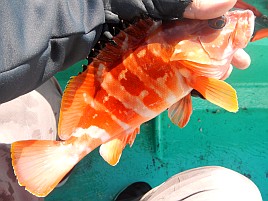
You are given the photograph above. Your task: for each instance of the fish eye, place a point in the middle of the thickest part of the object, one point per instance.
(217, 23)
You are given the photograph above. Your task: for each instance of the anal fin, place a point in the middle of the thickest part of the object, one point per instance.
(112, 150)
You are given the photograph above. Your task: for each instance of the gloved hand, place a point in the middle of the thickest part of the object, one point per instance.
(158, 9)
(165, 9)
(41, 38)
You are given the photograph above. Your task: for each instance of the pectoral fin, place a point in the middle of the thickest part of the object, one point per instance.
(217, 92)
(180, 112)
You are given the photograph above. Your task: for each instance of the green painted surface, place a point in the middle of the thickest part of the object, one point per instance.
(212, 137)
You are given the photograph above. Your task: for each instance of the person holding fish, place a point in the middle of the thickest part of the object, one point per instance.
(43, 38)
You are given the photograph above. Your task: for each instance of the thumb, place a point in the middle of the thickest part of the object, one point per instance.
(207, 9)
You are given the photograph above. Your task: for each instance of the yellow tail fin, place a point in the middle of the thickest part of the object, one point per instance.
(217, 92)
(41, 165)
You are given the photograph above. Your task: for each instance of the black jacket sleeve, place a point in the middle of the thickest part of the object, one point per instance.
(40, 38)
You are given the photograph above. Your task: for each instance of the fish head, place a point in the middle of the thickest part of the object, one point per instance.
(207, 46)
(224, 35)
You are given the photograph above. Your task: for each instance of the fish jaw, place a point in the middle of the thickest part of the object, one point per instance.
(244, 27)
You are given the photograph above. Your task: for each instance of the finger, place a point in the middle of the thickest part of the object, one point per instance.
(241, 59)
(228, 73)
(208, 9)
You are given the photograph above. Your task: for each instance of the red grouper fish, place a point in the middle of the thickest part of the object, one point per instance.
(151, 66)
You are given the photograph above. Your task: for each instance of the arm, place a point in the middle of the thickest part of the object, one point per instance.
(40, 38)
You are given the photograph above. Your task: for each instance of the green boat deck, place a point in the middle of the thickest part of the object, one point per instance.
(212, 137)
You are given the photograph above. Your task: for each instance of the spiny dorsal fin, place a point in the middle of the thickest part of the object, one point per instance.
(126, 40)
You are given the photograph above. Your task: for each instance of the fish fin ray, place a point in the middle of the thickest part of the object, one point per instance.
(180, 112)
(40, 165)
(76, 97)
(112, 150)
(217, 92)
(126, 40)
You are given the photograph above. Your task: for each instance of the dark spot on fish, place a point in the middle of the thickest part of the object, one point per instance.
(266, 175)
(244, 108)
(207, 110)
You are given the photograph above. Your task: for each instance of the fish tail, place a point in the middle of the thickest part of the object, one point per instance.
(41, 164)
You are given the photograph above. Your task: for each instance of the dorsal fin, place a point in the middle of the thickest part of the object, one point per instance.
(81, 88)
(125, 41)
(77, 95)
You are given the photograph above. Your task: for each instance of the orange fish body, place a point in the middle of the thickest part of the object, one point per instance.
(153, 67)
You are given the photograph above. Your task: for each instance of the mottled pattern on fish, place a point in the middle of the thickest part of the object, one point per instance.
(121, 98)
(149, 68)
